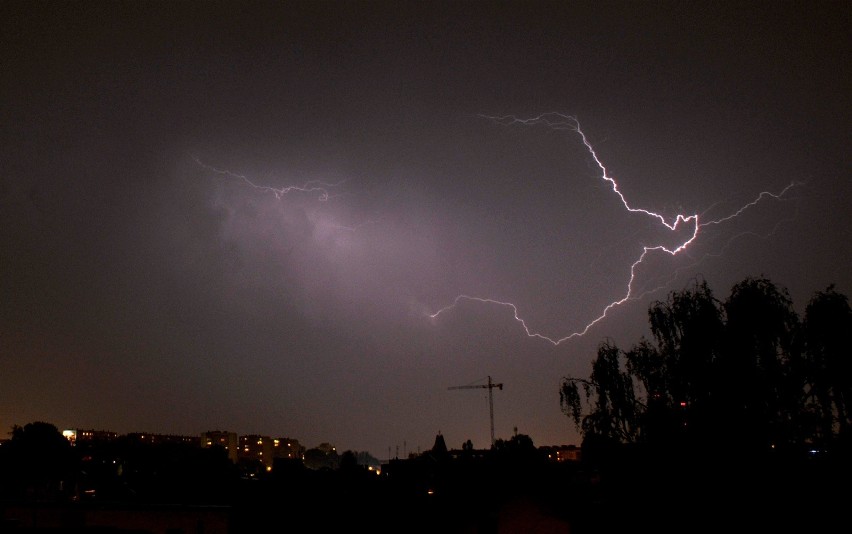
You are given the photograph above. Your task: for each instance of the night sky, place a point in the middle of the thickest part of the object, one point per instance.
(240, 215)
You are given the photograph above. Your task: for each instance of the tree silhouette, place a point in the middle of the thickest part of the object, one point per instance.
(38, 462)
(828, 367)
(688, 329)
(747, 368)
(758, 364)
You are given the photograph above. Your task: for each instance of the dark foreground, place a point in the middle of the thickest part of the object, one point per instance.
(802, 494)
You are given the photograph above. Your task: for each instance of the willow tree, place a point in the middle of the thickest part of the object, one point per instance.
(678, 373)
(739, 371)
(760, 365)
(608, 400)
(828, 366)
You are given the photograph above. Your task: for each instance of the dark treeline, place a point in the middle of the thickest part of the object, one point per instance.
(734, 408)
(42, 475)
(39, 464)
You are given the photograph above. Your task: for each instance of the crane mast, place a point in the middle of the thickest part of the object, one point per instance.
(490, 385)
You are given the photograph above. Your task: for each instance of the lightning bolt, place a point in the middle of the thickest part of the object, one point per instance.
(321, 189)
(558, 121)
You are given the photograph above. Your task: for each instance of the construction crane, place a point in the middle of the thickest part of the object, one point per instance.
(490, 385)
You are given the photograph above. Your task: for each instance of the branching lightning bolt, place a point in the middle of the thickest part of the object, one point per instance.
(321, 189)
(558, 121)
